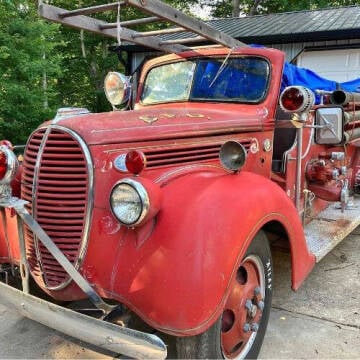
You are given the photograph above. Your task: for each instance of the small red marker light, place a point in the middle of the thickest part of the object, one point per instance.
(135, 162)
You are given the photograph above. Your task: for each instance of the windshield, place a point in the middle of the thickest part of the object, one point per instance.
(241, 79)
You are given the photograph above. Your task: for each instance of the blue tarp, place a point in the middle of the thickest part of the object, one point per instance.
(294, 75)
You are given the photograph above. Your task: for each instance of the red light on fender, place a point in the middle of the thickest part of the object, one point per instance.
(3, 165)
(7, 143)
(135, 162)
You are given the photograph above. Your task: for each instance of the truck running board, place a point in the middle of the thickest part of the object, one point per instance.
(330, 227)
(117, 339)
(195, 30)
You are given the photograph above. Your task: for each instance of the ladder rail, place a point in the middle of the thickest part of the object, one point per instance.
(82, 22)
(195, 30)
(158, 8)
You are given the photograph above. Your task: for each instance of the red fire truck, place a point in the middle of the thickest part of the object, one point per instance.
(163, 214)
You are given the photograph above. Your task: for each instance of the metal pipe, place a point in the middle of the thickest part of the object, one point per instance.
(352, 116)
(103, 334)
(352, 134)
(340, 97)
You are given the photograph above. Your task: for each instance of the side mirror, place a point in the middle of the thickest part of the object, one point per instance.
(329, 125)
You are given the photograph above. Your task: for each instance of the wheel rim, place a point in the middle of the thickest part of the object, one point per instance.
(243, 309)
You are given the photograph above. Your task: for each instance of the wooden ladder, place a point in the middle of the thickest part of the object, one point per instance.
(195, 30)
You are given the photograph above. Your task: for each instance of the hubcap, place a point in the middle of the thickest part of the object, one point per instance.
(243, 309)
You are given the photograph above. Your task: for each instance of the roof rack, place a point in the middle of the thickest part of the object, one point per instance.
(196, 30)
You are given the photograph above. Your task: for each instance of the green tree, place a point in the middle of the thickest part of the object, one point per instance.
(226, 8)
(29, 67)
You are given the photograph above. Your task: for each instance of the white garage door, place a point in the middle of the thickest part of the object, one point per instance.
(337, 65)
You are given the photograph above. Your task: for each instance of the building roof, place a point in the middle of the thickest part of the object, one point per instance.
(339, 23)
(297, 26)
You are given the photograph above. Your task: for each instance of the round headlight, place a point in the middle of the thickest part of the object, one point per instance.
(117, 88)
(232, 155)
(130, 202)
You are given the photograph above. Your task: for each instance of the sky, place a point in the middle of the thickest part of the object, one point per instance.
(204, 12)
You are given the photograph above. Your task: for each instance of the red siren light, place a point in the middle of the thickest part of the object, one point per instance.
(296, 99)
(135, 162)
(3, 165)
(7, 143)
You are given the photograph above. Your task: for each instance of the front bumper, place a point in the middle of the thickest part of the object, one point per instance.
(112, 337)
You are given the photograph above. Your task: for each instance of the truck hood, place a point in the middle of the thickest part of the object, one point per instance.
(163, 123)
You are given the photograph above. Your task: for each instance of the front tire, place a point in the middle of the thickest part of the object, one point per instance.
(240, 330)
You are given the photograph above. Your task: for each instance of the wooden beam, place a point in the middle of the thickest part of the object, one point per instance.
(94, 25)
(92, 9)
(160, 9)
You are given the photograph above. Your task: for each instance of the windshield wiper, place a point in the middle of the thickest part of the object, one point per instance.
(221, 68)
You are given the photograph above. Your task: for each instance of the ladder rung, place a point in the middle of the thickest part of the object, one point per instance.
(183, 41)
(91, 9)
(160, 32)
(146, 20)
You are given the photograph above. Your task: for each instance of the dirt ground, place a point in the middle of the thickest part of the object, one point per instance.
(319, 321)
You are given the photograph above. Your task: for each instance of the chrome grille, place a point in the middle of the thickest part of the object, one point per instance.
(57, 181)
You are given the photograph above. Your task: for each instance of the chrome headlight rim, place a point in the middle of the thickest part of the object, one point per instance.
(143, 196)
(119, 94)
(12, 164)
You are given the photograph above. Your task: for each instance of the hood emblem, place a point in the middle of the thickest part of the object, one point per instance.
(191, 115)
(149, 119)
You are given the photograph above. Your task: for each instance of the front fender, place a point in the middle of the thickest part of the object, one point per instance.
(180, 278)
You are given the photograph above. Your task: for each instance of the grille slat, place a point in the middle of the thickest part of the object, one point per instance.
(187, 154)
(61, 200)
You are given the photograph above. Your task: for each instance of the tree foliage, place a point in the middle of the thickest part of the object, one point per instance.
(29, 68)
(44, 66)
(227, 8)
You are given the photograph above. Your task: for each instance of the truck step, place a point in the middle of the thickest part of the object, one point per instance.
(330, 227)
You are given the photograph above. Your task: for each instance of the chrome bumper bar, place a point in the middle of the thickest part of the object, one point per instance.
(112, 337)
(105, 335)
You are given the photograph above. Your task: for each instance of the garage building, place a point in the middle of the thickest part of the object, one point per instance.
(326, 41)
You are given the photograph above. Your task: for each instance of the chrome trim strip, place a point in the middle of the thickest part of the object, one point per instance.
(90, 202)
(33, 199)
